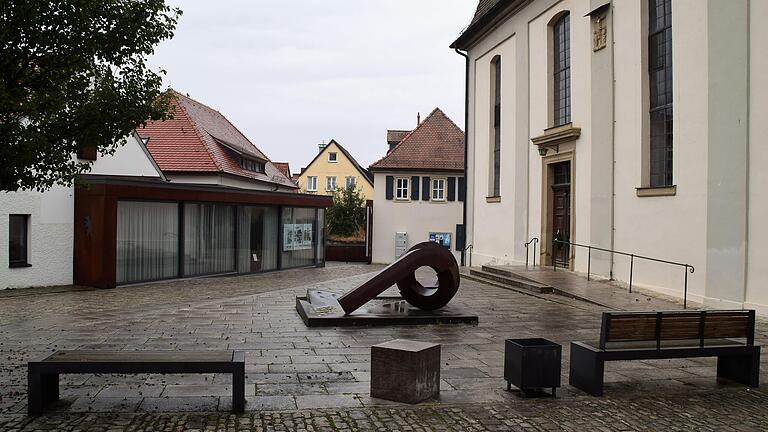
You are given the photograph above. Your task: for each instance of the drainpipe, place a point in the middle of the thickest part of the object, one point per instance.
(466, 152)
(613, 140)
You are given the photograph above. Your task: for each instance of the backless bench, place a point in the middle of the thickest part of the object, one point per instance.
(727, 335)
(43, 375)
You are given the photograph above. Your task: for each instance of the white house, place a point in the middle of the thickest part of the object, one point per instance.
(571, 136)
(422, 198)
(40, 234)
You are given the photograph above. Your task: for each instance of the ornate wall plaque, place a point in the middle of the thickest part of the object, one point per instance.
(599, 33)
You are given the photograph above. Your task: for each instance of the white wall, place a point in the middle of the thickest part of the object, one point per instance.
(131, 159)
(51, 237)
(757, 234)
(417, 218)
(711, 170)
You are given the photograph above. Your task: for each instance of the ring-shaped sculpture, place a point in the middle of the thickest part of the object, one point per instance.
(402, 272)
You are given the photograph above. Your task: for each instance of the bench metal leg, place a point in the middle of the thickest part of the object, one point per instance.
(238, 388)
(42, 389)
(744, 369)
(586, 372)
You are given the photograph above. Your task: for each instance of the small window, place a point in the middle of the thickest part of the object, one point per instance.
(402, 190)
(350, 182)
(330, 184)
(312, 184)
(18, 241)
(495, 155)
(88, 153)
(438, 189)
(252, 165)
(332, 157)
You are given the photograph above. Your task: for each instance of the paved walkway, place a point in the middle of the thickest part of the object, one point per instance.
(318, 379)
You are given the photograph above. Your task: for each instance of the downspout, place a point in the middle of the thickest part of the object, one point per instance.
(466, 152)
(613, 139)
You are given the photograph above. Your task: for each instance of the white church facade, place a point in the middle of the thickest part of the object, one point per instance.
(629, 125)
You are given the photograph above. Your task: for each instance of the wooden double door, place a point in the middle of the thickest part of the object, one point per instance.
(561, 212)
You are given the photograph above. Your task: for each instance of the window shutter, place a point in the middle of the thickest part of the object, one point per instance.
(462, 189)
(390, 187)
(415, 188)
(426, 188)
(451, 188)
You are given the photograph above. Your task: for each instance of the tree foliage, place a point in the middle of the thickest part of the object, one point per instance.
(73, 74)
(347, 214)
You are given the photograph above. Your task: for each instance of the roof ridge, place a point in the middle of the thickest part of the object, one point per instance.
(197, 128)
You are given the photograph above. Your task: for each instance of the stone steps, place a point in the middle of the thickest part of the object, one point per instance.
(508, 281)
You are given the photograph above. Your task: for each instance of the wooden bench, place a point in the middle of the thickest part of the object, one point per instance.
(727, 335)
(43, 375)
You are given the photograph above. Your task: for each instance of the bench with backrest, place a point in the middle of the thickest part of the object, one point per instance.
(43, 375)
(727, 335)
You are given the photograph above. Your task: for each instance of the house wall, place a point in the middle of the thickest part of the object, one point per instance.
(131, 159)
(713, 221)
(50, 237)
(224, 180)
(321, 168)
(757, 229)
(417, 218)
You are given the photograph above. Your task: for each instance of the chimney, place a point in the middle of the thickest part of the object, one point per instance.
(321, 146)
(418, 118)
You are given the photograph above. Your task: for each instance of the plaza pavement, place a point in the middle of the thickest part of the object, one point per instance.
(318, 379)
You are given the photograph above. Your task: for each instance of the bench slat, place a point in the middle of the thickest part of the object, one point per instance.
(139, 357)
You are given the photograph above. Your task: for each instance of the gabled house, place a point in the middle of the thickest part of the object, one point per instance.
(334, 167)
(419, 197)
(225, 209)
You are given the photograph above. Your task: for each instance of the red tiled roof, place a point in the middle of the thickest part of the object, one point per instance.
(436, 144)
(200, 139)
(283, 167)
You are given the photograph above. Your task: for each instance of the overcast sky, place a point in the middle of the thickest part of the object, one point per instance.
(292, 73)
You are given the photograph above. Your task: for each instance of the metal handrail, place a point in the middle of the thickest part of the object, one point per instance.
(534, 240)
(687, 267)
(469, 248)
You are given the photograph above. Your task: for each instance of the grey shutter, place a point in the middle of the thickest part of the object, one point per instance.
(451, 188)
(415, 188)
(390, 187)
(462, 189)
(425, 188)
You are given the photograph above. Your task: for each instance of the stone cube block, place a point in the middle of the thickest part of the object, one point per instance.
(405, 371)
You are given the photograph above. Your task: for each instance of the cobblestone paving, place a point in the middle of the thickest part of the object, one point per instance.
(317, 379)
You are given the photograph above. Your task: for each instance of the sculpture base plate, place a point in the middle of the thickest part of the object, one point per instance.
(381, 311)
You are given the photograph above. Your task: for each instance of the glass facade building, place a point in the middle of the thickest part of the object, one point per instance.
(167, 240)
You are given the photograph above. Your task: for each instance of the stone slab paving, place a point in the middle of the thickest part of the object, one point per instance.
(318, 379)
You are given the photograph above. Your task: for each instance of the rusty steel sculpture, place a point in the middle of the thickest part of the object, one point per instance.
(403, 273)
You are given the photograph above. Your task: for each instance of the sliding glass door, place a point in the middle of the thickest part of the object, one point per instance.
(257, 239)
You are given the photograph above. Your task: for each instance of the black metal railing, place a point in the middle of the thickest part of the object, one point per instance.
(533, 241)
(469, 248)
(687, 267)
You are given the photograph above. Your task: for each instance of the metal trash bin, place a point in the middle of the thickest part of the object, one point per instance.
(532, 364)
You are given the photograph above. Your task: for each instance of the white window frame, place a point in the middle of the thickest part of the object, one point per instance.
(311, 183)
(350, 181)
(433, 189)
(328, 184)
(335, 157)
(402, 184)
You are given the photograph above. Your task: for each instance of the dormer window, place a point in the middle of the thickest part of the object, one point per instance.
(332, 157)
(252, 165)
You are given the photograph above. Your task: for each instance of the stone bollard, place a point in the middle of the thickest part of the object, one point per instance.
(405, 371)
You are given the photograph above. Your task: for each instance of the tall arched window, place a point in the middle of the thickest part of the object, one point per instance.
(561, 51)
(660, 80)
(495, 156)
